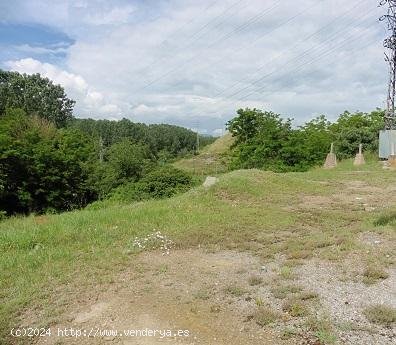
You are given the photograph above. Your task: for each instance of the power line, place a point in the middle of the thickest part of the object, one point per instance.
(222, 14)
(297, 58)
(297, 68)
(266, 10)
(345, 42)
(292, 47)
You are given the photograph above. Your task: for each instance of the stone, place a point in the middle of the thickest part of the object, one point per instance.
(210, 181)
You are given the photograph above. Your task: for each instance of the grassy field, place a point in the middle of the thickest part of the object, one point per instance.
(264, 213)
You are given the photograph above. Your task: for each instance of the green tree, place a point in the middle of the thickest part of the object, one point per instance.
(42, 168)
(35, 95)
(124, 162)
(260, 138)
(352, 129)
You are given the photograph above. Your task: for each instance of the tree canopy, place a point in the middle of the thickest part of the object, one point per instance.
(36, 96)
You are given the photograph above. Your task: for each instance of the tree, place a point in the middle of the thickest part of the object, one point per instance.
(42, 168)
(124, 162)
(36, 96)
(352, 129)
(265, 140)
(260, 137)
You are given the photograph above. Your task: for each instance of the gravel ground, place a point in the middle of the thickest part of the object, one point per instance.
(344, 298)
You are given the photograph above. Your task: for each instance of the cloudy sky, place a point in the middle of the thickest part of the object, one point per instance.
(193, 63)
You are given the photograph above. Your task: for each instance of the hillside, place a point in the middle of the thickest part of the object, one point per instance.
(259, 258)
(211, 160)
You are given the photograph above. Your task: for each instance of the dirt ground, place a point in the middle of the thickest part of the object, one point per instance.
(185, 290)
(210, 295)
(193, 290)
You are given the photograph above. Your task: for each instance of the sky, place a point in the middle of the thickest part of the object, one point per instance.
(194, 63)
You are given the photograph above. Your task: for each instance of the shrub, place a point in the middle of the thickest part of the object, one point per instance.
(161, 183)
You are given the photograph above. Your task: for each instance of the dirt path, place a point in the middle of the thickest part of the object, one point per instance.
(186, 291)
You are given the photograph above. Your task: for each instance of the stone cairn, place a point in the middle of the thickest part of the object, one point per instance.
(359, 159)
(331, 159)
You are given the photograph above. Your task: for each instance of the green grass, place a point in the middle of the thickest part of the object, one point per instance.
(385, 219)
(323, 329)
(41, 257)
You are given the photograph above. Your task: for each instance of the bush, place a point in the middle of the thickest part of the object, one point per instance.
(163, 182)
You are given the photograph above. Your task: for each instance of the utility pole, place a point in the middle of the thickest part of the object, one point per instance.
(387, 137)
(390, 57)
(197, 127)
(100, 149)
(197, 141)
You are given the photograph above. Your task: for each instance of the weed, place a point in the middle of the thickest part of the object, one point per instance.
(286, 272)
(295, 308)
(265, 316)
(299, 254)
(255, 280)
(95, 240)
(202, 295)
(307, 295)
(386, 219)
(325, 337)
(215, 308)
(323, 329)
(289, 333)
(162, 269)
(235, 291)
(282, 292)
(374, 273)
(381, 314)
(259, 302)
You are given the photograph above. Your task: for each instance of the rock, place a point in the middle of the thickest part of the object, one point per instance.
(210, 181)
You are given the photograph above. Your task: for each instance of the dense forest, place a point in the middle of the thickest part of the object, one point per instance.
(51, 161)
(267, 141)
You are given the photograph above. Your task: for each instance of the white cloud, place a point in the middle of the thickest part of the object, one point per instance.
(88, 100)
(201, 62)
